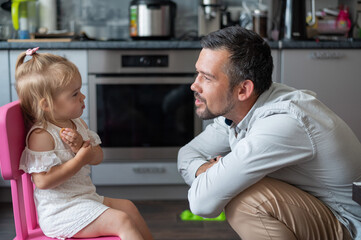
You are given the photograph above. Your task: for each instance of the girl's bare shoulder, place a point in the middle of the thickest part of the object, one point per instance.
(40, 141)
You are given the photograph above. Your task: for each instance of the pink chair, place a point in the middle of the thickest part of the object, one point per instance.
(12, 143)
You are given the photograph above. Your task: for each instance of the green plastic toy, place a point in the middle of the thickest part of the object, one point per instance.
(187, 215)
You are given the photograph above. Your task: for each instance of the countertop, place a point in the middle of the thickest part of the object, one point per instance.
(170, 44)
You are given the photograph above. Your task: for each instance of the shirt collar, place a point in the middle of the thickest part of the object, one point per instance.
(243, 125)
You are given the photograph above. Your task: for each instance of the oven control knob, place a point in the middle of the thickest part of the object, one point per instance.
(144, 61)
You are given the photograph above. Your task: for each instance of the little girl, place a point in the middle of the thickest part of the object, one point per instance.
(60, 148)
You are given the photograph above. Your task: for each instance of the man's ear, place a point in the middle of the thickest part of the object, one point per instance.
(245, 90)
(43, 103)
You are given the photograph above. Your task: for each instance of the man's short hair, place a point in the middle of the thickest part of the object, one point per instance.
(250, 56)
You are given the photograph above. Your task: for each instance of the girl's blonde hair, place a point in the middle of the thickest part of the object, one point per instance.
(41, 78)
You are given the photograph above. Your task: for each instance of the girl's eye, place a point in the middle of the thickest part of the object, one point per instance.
(75, 94)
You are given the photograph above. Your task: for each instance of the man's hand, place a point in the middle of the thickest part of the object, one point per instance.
(72, 138)
(207, 165)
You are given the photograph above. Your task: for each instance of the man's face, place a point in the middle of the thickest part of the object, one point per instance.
(213, 97)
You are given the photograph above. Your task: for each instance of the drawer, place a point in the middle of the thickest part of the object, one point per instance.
(136, 174)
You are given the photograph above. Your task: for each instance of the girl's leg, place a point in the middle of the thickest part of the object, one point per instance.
(111, 222)
(131, 210)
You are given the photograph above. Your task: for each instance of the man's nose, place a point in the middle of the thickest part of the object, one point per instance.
(195, 87)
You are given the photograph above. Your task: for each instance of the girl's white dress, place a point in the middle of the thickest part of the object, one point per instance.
(66, 209)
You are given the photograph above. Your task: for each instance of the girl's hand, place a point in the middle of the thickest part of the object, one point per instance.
(72, 138)
(88, 154)
(85, 153)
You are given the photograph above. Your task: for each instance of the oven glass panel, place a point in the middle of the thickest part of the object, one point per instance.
(145, 115)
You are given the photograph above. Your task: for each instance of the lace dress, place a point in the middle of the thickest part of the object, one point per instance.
(66, 209)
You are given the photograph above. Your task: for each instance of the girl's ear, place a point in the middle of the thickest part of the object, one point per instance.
(43, 103)
(245, 90)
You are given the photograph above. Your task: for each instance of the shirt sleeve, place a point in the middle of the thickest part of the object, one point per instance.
(273, 142)
(213, 141)
(94, 138)
(36, 162)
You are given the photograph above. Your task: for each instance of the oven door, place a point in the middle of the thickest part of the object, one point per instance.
(142, 118)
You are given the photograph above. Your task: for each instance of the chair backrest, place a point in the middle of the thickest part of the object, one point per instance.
(12, 135)
(12, 143)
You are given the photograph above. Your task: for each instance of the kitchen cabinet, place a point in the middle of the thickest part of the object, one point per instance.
(276, 65)
(333, 74)
(78, 57)
(4, 78)
(4, 89)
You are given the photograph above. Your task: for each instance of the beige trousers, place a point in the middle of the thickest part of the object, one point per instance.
(272, 209)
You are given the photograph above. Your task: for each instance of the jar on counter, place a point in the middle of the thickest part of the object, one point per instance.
(259, 18)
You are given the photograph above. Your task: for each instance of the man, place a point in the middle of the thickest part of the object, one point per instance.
(278, 161)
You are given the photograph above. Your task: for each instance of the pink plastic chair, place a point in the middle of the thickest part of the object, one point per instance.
(12, 143)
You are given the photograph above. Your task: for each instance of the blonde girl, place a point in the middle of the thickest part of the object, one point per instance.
(59, 151)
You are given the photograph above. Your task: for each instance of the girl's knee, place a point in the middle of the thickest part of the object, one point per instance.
(129, 204)
(123, 218)
(124, 221)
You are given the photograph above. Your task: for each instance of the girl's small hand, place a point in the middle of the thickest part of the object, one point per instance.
(72, 138)
(85, 153)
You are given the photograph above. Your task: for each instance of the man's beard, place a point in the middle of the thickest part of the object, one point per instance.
(207, 114)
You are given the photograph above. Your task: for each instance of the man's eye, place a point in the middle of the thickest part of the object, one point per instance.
(206, 78)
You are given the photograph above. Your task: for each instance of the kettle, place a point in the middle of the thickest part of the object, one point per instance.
(289, 19)
(24, 17)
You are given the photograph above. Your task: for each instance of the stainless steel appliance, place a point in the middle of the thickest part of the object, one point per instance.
(209, 16)
(152, 19)
(141, 105)
(289, 19)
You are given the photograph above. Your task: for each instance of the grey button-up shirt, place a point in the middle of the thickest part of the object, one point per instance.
(288, 135)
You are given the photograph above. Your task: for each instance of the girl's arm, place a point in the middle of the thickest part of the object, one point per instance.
(98, 155)
(98, 151)
(72, 138)
(42, 141)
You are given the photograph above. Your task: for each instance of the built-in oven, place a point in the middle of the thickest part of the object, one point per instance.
(141, 105)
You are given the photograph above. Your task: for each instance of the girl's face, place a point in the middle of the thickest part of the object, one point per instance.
(69, 103)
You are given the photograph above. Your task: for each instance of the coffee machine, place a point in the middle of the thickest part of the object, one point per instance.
(289, 19)
(209, 16)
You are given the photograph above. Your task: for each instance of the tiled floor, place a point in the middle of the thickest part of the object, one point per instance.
(162, 218)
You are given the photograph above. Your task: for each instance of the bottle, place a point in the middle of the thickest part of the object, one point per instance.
(343, 19)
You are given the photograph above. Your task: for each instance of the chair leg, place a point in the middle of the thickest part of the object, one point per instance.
(28, 190)
(19, 209)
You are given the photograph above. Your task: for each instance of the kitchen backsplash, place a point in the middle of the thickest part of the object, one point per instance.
(108, 19)
(86, 15)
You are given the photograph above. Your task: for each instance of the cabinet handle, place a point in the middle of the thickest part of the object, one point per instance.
(155, 170)
(327, 55)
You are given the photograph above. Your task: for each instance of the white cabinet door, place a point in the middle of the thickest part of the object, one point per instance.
(4, 78)
(335, 76)
(276, 65)
(4, 90)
